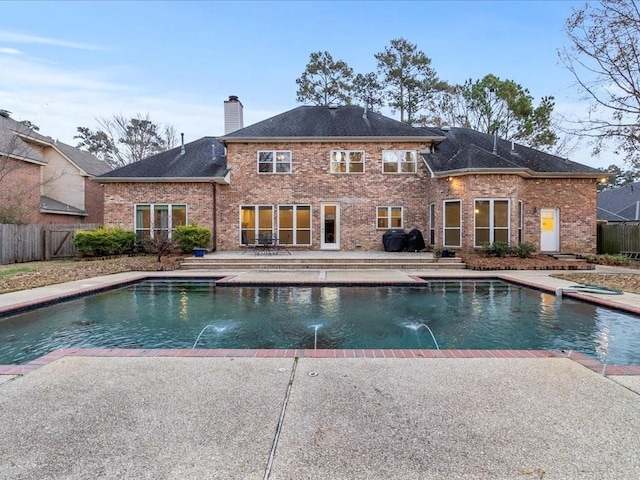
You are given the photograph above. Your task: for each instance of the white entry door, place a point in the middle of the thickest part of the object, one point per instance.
(549, 230)
(330, 226)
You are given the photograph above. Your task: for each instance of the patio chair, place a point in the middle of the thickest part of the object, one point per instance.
(245, 243)
(282, 245)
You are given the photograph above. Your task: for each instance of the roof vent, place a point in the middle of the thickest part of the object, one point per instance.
(182, 149)
(495, 142)
(333, 107)
(445, 128)
(5, 113)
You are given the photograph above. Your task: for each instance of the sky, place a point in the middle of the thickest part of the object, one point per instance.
(66, 64)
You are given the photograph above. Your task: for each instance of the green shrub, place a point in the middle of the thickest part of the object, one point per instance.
(104, 241)
(498, 249)
(188, 237)
(608, 259)
(523, 250)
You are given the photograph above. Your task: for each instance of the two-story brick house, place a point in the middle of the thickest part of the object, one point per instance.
(43, 180)
(337, 178)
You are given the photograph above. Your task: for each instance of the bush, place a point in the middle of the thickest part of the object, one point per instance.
(188, 237)
(498, 249)
(607, 259)
(104, 241)
(524, 250)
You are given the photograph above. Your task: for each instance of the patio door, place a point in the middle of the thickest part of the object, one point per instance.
(330, 226)
(549, 230)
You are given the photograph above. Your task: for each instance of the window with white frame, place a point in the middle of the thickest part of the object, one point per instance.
(347, 161)
(432, 224)
(256, 222)
(452, 223)
(153, 220)
(274, 162)
(294, 224)
(399, 161)
(389, 217)
(520, 220)
(491, 221)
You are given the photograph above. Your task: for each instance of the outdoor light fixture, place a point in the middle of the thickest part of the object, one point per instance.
(449, 179)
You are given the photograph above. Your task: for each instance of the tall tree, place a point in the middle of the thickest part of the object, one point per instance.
(325, 81)
(367, 91)
(604, 58)
(121, 141)
(492, 105)
(410, 82)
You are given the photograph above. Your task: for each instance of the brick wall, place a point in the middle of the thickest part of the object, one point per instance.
(575, 200)
(311, 183)
(121, 198)
(20, 189)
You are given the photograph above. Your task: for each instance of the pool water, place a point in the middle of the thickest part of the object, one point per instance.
(460, 314)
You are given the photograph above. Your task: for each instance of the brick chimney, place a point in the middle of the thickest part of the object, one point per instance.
(232, 115)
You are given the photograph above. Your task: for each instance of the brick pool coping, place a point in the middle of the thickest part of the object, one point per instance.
(580, 358)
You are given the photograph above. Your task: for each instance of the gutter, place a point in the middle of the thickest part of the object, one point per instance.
(523, 172)
(377, 139)
(220, 180)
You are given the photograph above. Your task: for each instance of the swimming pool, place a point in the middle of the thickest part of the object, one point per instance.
(479, 314)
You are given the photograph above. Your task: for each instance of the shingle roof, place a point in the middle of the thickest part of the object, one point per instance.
(85, 160)
(465, 149)
(326, 122)
(47, 203)
(203, 158)
(619, 204)
(15, 140)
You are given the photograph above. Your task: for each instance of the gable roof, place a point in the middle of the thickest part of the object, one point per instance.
(619, 204)
(315, 123)
(17, 141)
(468, 151)
(203, 160)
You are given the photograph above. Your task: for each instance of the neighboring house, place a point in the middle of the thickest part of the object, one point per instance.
(46, 181)
(337, 178)
(621, 204)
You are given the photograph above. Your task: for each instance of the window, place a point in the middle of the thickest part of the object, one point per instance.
(389, 217)
(294, 224)
(256, 221)
(399, 161)
(347, 161)
(520, 220)
(492, 221)
(158, 219)
(452, 223)
(274, 162)
(432, 224)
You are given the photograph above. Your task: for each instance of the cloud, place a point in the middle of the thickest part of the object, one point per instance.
(13, 37)
(9, 51)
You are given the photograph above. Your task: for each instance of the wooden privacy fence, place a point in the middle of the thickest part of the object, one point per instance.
(615, 238)
(29, 243)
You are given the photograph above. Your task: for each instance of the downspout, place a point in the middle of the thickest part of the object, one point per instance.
(214, 233)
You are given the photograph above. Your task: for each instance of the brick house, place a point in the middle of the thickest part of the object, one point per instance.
(46, 181)
(337, 178)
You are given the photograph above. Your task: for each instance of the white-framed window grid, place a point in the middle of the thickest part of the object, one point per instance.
(389, 217)
(347, 161)
(294, 224)
(452, 223)
(153, 219)
(491, 221)
(256, 221)
(274, 161)
(399, 161)
(520, 221)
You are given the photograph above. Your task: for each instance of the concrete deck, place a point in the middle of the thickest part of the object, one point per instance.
(282, 418)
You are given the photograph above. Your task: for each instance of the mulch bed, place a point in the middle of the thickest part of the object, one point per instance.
(535, 262)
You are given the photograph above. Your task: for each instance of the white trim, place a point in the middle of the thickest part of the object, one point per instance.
(399, 162)
(295, 228)
(256, 226)
(444, 219)
(274, 163)
(388, 217)
(347, 162)
(332, 245)
(152, 206)
(491, 226)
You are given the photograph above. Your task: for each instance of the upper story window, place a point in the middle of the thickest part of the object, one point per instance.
(399, 161)
(274, 162)
(389, 217)
(347, 161)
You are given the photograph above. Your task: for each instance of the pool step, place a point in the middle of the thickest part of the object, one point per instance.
(257, 262)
